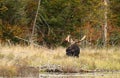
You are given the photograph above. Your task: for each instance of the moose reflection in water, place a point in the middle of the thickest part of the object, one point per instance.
(73, 49)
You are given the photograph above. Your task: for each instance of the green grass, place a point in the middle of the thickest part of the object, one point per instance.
(89, 60)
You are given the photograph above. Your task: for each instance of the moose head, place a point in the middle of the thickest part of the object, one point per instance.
(73, 49)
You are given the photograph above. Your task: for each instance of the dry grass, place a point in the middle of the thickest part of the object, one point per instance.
(90, 59)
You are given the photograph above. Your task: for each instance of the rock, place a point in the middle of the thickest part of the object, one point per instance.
(51, 68)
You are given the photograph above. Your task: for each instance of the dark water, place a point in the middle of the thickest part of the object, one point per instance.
(83, 75)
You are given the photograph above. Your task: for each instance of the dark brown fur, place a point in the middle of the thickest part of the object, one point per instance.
(73, 50)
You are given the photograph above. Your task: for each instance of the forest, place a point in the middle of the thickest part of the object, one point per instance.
(48, 22)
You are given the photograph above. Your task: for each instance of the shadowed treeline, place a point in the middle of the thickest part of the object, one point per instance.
(58, 18)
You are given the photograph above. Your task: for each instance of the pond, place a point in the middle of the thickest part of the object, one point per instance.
(82, 75)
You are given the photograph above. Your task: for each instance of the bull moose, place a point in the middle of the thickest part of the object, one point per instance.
(73, 49)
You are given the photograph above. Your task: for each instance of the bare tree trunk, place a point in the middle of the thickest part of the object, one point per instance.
(34, 23)
(105, 24)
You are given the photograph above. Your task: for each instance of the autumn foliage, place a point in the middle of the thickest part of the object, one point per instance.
(57, 19)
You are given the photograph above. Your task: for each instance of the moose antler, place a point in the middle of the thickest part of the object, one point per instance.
(71, 41)
(81, 39)
(68, 39)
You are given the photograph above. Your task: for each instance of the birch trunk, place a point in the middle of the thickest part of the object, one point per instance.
(34, 23)
(105, 24)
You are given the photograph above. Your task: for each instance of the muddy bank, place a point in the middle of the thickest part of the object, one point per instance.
(19, 71)
(61, 69)
(47, 71)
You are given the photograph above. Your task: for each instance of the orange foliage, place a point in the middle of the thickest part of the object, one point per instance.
(92, 33)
